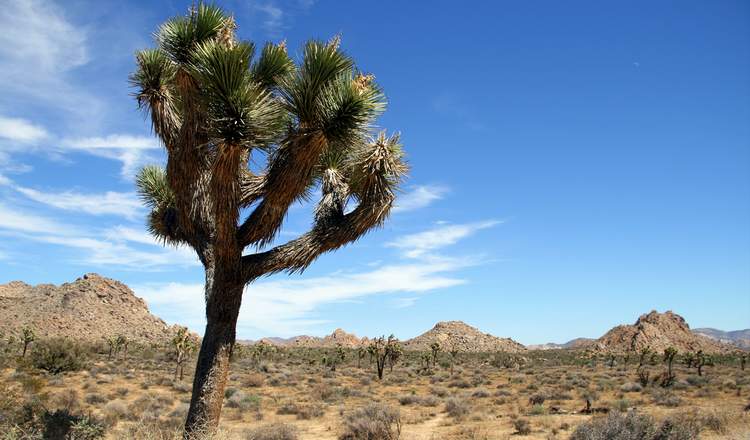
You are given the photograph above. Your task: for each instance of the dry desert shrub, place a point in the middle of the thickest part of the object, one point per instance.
(522, 426)
(413, 399)
(275, 431)
(114, 411)
(631, 387)
(457, 408)
(375, 421)
(636, 426)
(302, 411)
(254, 380)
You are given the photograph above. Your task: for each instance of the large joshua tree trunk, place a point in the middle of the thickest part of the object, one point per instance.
(212, 105)
(224, 296)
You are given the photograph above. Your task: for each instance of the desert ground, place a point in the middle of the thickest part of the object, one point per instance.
(308, 393)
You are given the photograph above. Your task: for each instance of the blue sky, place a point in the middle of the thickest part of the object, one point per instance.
(574, 164)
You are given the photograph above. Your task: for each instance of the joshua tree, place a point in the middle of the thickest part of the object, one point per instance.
(743, 361)
(361, 352)
(114, 346)
(611, 360)
(589, 396)
(701, 360)
(217, 110)
(124, 343)
(669, 355)
(435, 350)
(184, 346)
(395, 354)
(689, 359)
(259, 351)
(331, 360)
(645, 351)
(27, 337)
(381, 350)
(426, 359)
(454, 355)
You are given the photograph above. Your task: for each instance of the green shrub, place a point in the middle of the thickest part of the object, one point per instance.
(64, 425)
(538, 410)
(58, 355)
(243, 401)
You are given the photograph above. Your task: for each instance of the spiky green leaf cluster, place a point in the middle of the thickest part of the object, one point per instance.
(180, 35)
(239, 110)
(155, 192)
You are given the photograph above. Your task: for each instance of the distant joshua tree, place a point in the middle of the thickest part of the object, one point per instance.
(27, 337)
(426, 359)
(395, 354)
(117, 343)
(361, 353)
(689, 359)
(669, 355)
(184, 346)
(701, 360)
(454, 350)
(643, 355)
(259, 351)
(611, 360)
(381, 349)
(331, 360)
(435, 350)
(217, 110)
(589, 396)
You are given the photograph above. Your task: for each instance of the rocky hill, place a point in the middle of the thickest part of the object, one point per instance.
(738, 338)
(465, 337)
(91, 308)
(657, 331)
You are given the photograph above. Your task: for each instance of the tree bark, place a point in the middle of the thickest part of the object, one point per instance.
(223, 299)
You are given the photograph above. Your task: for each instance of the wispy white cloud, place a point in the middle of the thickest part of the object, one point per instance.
(18, 221)
(132, 151)
(25, 136)
(274, 18)
(419, 197)
(107, 203)
(37, 32)
(273, 22)
(21, 130)
(38, 47)
(420, 244)
(99, 248)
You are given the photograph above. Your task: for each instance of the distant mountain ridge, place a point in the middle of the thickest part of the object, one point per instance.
(94, 307)
(738, 338)
(448, 334)
(572, 344)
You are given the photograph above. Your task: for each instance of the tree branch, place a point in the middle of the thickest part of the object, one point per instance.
(291, 172)
(378, 171)
(297, 254)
